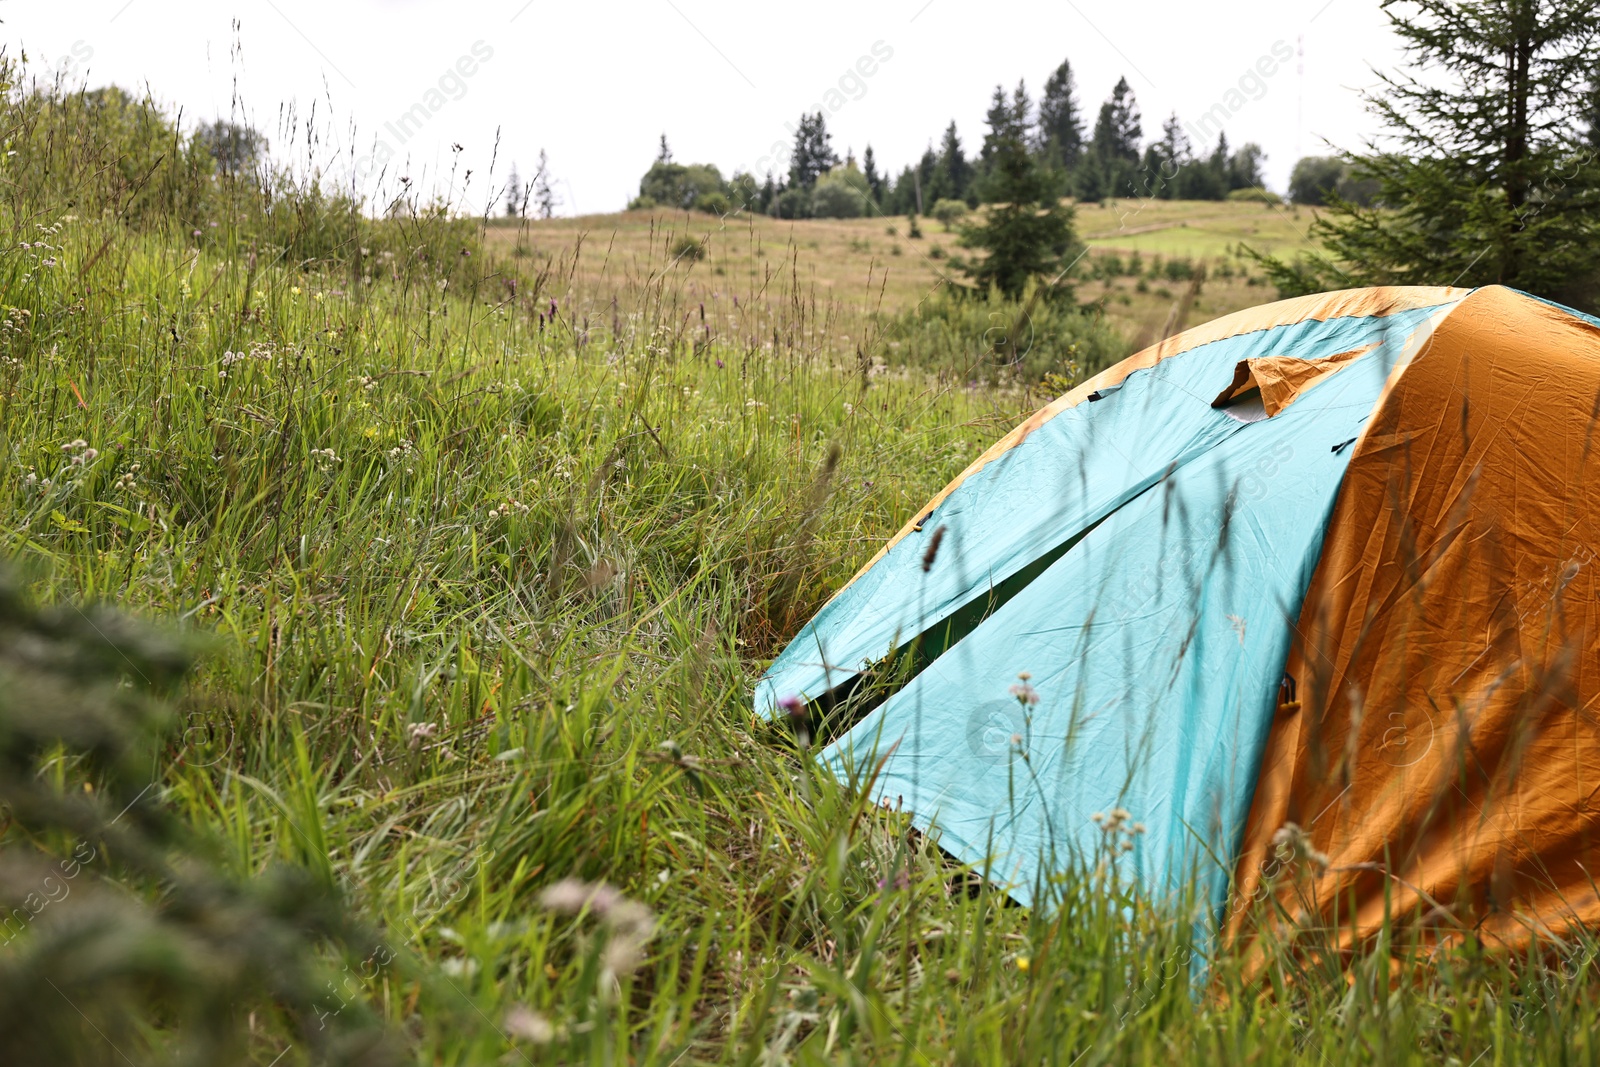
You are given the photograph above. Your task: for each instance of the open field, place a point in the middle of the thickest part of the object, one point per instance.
(863, 266)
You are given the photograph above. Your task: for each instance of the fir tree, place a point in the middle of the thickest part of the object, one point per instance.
(954, 173)
(1165, 160)
(1027, 231)
(544, 198)
(869, 171)
(664, 153)
(1114, 148)
(513, 194)
(813, 152)
(1060, 124)
(1486, 176)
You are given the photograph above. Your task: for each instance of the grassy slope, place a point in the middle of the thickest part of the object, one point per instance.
(864, 267)
(490, 592)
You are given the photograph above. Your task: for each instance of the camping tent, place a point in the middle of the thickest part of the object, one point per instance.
(1327, 562)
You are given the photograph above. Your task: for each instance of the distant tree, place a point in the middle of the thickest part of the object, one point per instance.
(1114, 148)
(902, 198)
(793, 203)
(743, 192)
(1026, 231)
(948, 211)
(682, 186)
(1165, 159)
(545, 200)
(1315, 179)
(842, 193)
(513, 194)
(1010, 121)
(869, 171)
(1244, 168)
(664, 153)
(922, 182)
(1488, 176)
(953, 175)
(813, 152)
(1060, 124)
(238, 149)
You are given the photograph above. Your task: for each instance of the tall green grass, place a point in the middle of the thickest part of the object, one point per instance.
(488, 576)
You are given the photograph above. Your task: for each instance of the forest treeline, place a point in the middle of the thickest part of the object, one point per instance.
(1088, 161)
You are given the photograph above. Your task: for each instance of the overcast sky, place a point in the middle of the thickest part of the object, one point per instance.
(595, 84)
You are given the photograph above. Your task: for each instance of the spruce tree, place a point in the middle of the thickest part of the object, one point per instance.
(1114, 148)
(544, 197)
(1027, 231)
(954, 173)
(1485, 175)
(664, 153)
(513, 194)
(869, 171)
(813, 152)
(1060, 124)
(1166, 159)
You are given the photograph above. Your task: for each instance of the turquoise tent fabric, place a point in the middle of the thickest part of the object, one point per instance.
(1154, 644)
(1067, 475)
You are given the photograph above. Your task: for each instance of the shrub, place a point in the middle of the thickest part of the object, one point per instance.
(713, 204)
(679, 185)
(842, 193)
(948, 211)
(990, 338)
(794, 203)
(1256, 196)
(687, 247)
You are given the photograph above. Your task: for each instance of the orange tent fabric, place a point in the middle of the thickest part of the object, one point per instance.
(1444, 751)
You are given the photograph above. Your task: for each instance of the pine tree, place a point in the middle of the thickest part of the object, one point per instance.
(813, 152)
(1166, 159)
(1027, 231)
(954, 173)
(664, 153)
(544, 197)
(1114, 148)
(1060, 124)
(1486, 176)
(513, 194)
(869, 170)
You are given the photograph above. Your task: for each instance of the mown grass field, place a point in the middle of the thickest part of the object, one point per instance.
(486, 584)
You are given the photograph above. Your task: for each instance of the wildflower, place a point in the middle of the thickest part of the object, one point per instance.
(719, 364)
(794, 704)
(1023, 963)
(529, 1025)
(419, 732)
(1025, 693)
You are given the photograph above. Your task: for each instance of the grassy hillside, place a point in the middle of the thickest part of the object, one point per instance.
(486, 571)
(872, 265)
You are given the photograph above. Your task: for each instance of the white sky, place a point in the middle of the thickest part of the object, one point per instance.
(594, 84)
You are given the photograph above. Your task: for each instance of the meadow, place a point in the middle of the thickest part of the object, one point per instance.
(1141, 256)
(483, 553)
